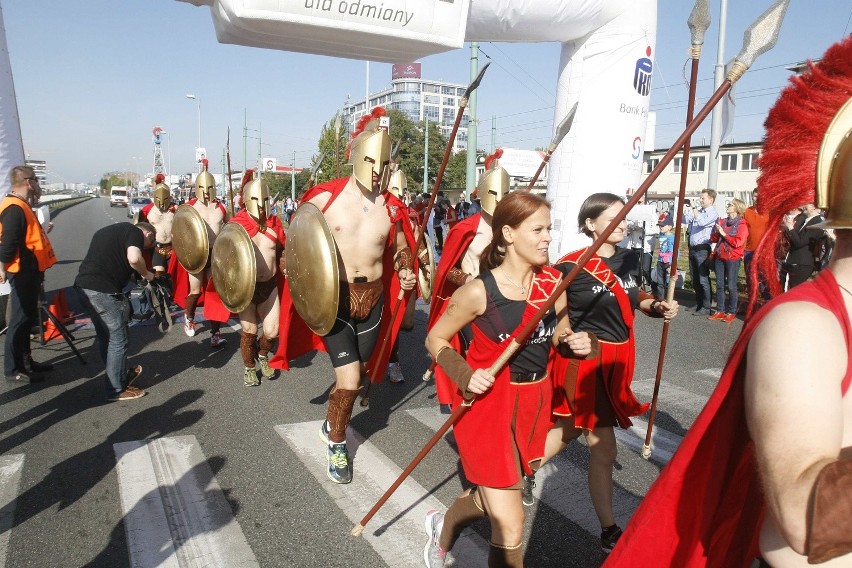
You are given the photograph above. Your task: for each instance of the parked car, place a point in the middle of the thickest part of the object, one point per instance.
(137, 204)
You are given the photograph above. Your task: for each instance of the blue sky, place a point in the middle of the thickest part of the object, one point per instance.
(94, 77)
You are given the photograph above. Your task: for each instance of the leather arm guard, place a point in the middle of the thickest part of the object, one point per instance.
(423, 253)
(457, 276)
(282, 263)
(456, 367)
(830, 519)
(402, 259)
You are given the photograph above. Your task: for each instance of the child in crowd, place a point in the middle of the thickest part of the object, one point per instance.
(664, 261)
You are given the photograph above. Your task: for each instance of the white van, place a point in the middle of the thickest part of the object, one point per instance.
(118, 197)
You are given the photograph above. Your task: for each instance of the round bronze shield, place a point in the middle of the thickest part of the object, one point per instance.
(233, 266)
(426, 274)
(189, 238)
(312, 268)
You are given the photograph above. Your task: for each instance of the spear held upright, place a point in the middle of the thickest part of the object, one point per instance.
(698, 22)
(759, 38)
(561, 130)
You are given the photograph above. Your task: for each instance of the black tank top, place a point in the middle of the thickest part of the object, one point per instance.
(503, 316)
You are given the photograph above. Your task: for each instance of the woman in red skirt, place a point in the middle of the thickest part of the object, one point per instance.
(502, 437)
(596, 395)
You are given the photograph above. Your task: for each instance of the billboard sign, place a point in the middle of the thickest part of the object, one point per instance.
(405, 71)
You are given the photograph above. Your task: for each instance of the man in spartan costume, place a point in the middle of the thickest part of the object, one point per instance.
(193, 290)
(376, 262)
(747, 479)
(160, 213)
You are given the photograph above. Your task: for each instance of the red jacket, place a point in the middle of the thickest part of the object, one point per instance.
(730, 247)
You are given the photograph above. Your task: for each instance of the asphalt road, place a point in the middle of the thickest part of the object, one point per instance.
(206, 472)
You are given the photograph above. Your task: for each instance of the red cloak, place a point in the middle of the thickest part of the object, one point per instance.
(620, 362)
(296, 338)
(214, 309)
(456, 244)
(707, 507)
(509, 420)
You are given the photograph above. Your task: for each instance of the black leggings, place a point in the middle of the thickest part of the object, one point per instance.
(353, 340)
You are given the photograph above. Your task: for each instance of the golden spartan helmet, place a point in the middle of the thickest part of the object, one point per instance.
(370, 153)
(256, 199)
(834, 171)
(398, 183)
(162, 197)
(205, 186)
(493, 185)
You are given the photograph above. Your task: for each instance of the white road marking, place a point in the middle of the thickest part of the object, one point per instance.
(10, 480)
(396, 532)
(670, 394)
(175, 514)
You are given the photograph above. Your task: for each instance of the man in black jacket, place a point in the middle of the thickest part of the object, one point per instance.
(803, 234)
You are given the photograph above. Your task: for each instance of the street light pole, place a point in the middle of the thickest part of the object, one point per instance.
(198, 100)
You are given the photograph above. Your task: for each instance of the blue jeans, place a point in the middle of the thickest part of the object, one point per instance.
(661, 282)
(699, 272)
(110, 314)
(727, 272)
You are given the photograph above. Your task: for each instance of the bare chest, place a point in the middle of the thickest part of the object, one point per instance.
(211, 214)
(358, 222)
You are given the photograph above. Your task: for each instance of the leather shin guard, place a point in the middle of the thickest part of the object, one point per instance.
(248, 349)
(501, 556)
(265, 345)
(191, 302)
(340, 404)
(394, 354)
(459, 516)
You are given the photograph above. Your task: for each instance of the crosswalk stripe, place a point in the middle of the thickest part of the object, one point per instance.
(559, 483)
(10, 480)
(663, 443)
(670, 395)
(175, 513)
(396, 532)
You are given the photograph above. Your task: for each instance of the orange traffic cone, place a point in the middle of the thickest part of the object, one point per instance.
(50, 331)
(62, 306)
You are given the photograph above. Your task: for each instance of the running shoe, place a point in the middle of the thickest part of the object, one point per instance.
(339, 466)
(432, 553)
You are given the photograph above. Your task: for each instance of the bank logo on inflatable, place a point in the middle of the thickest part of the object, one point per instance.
(642, 74)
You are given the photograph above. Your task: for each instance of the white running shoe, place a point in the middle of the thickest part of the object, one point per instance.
(189, 328)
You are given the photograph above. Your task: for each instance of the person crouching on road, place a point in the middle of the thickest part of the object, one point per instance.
(114, 254)
(502, 436)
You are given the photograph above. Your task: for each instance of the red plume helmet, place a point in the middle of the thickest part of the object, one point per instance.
(489, 161)
(377, 113)
(160, 178)
(204, 163)
(247, 177)
(795, 128)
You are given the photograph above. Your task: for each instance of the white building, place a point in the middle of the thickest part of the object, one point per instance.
(419, 99)
(737, 173)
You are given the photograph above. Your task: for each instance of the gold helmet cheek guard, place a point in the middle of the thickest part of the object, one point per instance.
(256, 198)
(205, 187)
(398, 183)
(371, 153)
(162, 197)
(834, 171)
(493, 185)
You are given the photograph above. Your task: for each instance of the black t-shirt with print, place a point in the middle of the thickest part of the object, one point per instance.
(105, 268)
(594, 308)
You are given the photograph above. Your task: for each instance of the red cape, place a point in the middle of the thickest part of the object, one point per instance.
(296, 338)
(706, 508)
(214, 309)
(456, 244)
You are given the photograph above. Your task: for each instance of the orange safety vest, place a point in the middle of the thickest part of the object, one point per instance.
(35, 239)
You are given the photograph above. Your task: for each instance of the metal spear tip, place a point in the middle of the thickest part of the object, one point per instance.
(762, 35)
(564, 127)
(699, 21)
(472, 87)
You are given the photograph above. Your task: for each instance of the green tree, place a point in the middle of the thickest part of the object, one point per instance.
(331, 157)
(456, 172)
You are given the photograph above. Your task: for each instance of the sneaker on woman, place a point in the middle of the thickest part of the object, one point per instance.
(432, 553)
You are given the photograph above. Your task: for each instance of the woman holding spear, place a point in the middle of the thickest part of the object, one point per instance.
(502, 437)
(596, 395)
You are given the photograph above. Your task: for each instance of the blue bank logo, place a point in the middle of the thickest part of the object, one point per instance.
(642, 74)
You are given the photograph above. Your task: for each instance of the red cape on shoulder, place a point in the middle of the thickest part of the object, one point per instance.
(707, 506)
